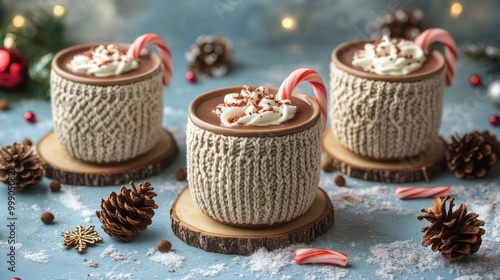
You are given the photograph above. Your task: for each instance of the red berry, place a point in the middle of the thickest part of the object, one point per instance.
(475, 81)
(30, 117)
(191, 77)
(495, 120)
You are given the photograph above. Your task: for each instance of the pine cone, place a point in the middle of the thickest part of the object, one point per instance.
(128, 213)
(20, 166)
(210, 55)
(403, 24)
(455, 234)
(474, 155)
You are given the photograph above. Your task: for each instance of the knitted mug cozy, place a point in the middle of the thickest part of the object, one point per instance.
(104, 124)
(385, 120)
(253, 180)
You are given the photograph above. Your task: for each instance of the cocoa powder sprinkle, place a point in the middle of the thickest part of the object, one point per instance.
(253, 102)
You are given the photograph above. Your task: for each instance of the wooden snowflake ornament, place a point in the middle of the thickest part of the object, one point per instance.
(81, 237)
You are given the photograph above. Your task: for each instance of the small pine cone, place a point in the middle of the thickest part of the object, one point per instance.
(20, 166)
(210, 56)
(474, 155)
(402, 24)
(128, 213)
(456, 234)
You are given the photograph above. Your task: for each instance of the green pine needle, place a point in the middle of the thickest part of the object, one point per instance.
(39, 43)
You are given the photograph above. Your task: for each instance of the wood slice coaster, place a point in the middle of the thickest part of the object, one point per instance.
(199, 230)
(418, 168)
(59, 165)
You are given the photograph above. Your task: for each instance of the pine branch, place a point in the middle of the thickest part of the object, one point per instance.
(485, 53)
(45, 38)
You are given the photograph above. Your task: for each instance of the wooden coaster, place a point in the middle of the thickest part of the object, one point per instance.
(199, 230)
(59, 165)
(418, 168)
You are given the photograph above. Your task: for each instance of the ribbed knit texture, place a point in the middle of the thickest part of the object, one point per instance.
(105, 124)
(385, 120)
(253, 180)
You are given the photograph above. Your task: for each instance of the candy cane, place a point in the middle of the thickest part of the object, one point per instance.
(450, 48)
(320, 256)
(411, 192)
(152, 39)
(311, 76)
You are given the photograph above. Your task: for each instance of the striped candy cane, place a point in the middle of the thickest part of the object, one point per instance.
(450, 48)
(320, 256)
(411, 192)
(305, 74)
(152, 39)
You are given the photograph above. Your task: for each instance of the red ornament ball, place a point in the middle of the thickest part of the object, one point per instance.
(30, 117)
(495, 120)
(191, 77)
(475, 81)
(13, 68)
(15, 278)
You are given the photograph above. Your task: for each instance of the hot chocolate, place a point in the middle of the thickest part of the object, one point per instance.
(203, 115)
(343, 55)
(248, 175)
(148, 65)
(391, 116)
(107, 99)
(103, 61)
(254, 107)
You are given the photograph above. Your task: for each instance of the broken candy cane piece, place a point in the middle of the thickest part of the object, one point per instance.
(412, 192)
(320, 256)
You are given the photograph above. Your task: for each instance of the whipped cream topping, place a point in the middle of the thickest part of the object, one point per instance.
(103, 61)
(390, 57)
(254, 107)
